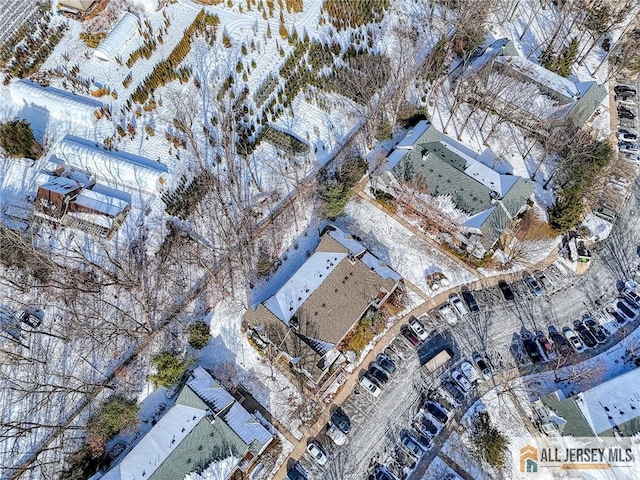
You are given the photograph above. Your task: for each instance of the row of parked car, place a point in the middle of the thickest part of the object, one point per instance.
(627, 111)
(587, 332)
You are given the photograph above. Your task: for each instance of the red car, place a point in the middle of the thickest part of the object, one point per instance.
(545, 344)
(411, 337)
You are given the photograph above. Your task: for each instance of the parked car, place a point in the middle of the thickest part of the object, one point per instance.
(469, 371)
(418, 329)
(584, 334)
(626, 310)
(438, 411)
(464, 383)
(625, 136)
(482, 365)
(612, 311)
(544, 343)
(28, 319)
(507, 293)
(382, 473)
(411, 337)
(594, 327)
(297, 472)
(620, 89)
(560, 340)
(334, 433)
(458, 305)
(341, 420)
(573, 339)
(631, 295)
(534, 286)
(385, 362)
(411, 443)
(446, 312)
(531, 349)
(626, 113)
(370, 385)
(470, 299)
(454, 390)
(428, 425)
(626, 147)
(377, 372)
(544, 281)
(317, 453)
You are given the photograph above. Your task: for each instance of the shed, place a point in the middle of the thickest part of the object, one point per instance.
(117, 38)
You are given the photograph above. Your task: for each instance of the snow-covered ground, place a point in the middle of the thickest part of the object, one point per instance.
(392, 242)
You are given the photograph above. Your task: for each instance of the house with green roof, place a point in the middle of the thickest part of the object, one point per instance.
(206, 426)
(542, 102)
(431, 161)
(606, 410)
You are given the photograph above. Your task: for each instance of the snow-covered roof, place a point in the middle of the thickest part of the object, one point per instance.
(540, 75)
(488, 177)
(478, 219)
(157, 444)
(347, 241)
(286, 302)
(611, 403)
(220, 470)
(379, 267)
(413, 135)
(117, 37)
(100, 203)
(117, 169)
(81, 5)
(247, 426)
(59, 103)
(395, 157)
(210, 391)
(61, 185)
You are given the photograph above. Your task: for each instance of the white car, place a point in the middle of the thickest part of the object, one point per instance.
(371, 387)
(469, 371)
(456, 302)
(446, 312)
(316, 452)
(418, 329)
(461, 380)
(573, 339)
(336, 435)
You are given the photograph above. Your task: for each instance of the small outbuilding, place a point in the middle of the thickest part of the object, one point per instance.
(118, 37)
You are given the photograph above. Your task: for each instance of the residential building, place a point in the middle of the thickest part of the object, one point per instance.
(311, 314)
(64, 201)
(75, 6)
(606, 410)
(541, 102)
(431, 162)
(205, 426)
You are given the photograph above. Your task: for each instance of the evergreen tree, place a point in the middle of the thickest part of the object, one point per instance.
(17, 140)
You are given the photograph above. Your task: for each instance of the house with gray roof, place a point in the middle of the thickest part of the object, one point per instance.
(439, 165)
(606, 410)
(536, 99)
(205, 426)
(307, 317)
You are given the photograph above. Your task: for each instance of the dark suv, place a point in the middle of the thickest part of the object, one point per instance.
(341, 420)
(507, 293)
(469, 299)
(531, 349)
(437, 411)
